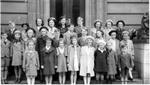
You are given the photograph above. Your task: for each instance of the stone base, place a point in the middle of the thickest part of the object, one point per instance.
(142, 61)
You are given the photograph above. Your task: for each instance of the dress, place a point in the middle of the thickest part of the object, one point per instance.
(73, 58)
(17, 50)
(62, 60)
(87, 61)
(112, 62)
(31, 63)
(100, 61)
(48, 61)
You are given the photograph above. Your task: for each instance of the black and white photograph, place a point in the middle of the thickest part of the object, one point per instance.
(74, 42)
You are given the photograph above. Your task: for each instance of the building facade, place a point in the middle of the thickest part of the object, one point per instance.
(21, 11)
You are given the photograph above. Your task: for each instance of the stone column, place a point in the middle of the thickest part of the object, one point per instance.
(46, 11)
(32, 13)
(37, 8)
(100, 9)
(94, 9)
(88, 13)
(52, 8)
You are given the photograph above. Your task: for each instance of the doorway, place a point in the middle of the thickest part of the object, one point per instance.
(76, 7)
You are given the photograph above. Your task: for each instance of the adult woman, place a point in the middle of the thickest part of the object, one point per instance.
(97, 26)
(79, 27)
(52, 30)
(39, 23)
(62, 26)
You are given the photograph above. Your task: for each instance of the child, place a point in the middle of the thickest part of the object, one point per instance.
(81, 40)
(99, 36)
(31, 62)
(97, 26)
(68, 34)
(100, 61)
(115, 47)
(5, 57)
(40, 44)
(130, 49)
(87, 60)
(48, 61)
(73, 59)
(62, 62)
(17, 52)
(111, 62)
(30, 36)
(115, 42)
(125, 63)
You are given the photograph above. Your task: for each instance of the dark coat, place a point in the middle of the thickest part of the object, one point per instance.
(100, 61)
(48, 60)
(10, 35)
(41, 42)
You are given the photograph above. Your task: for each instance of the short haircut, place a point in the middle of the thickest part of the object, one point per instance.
(25, 24)
(120, 21)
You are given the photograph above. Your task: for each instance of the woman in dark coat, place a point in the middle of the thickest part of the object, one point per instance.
(48, 61)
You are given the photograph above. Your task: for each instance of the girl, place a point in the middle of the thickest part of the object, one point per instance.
(62, 62)
(24, 26)
(130, 49)
(31, 33)
(48, 61)
(111, 62)
(62, 26)
(87, 60)
(17, 52)
(39, 23)
(73, 59)
(100, 61)
(81, 40)
(97, 26)
(125, 62)
(68, 34)
(5, 57)
(30, 62)
(52, 30)
(99, 36)
(115, 42)
(115, 47)
(108, 28)
(79, 27)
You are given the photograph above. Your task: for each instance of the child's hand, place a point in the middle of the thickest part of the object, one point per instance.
(42, 66)
(24, 69)
(119, 69)
(55, 66)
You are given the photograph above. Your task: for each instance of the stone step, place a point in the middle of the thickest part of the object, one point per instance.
(135, 81)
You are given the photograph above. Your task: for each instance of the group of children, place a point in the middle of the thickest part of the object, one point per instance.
(43, 51)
